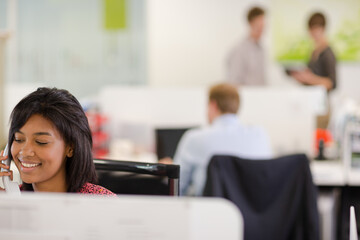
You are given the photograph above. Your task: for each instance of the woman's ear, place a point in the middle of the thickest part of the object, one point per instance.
(69, 151)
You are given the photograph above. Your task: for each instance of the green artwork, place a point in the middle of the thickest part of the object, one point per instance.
(115, 14)
(291, 42)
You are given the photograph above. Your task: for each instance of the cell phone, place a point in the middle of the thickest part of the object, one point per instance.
(10, 187)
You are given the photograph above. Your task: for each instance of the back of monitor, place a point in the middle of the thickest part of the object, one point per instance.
(59, 216)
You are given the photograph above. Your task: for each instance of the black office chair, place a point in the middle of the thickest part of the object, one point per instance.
(125, 177)
(350, 196)
(277, 197)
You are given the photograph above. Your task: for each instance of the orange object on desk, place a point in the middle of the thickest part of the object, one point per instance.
(323, 134)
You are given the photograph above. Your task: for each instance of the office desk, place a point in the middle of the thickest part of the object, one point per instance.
(328, 173)
(338, 190)
(334, 173)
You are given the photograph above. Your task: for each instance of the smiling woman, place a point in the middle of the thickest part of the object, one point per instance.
(50, 143)
(46, 170)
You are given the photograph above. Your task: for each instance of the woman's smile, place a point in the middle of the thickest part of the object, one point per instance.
(27, 166)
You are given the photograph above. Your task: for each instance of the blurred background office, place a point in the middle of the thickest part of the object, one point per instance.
(88, 46)
(140, 66)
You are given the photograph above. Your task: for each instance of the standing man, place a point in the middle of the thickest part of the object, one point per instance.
(225, 135)
(246, 61)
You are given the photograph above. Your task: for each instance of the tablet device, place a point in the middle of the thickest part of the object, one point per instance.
(294, 68)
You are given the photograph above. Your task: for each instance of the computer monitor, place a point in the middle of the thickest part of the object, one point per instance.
(167, 140)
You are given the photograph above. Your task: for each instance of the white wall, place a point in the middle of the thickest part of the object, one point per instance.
(349, 80)
(13, 94)
(188, 40)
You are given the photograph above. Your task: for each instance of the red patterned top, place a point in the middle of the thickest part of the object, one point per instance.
(90, 188)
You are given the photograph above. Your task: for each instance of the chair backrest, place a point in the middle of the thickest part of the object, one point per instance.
(277, 197)
(167, 140)
(126, 177)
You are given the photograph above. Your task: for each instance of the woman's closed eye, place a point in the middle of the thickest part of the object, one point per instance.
(41, 142)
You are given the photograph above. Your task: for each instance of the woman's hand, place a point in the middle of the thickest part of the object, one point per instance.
(9, 173)
(309, 78)
(166, 160)
(304, 77)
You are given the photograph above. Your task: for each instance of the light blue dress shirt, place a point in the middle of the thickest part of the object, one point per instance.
(226, 135)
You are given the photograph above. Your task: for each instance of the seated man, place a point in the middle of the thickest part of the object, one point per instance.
(225, 135)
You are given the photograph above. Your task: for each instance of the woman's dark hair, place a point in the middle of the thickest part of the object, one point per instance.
(65, 112)
(317, 20)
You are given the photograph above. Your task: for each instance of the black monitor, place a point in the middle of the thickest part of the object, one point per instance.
(167, 140)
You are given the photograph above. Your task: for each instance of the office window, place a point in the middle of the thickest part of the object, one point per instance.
(80, 45)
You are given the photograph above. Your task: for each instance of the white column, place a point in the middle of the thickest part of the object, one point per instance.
(11, 44)
(7, 38)
(2, 98)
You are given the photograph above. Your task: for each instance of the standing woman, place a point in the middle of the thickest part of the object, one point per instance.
(50, 142)
(322, 66)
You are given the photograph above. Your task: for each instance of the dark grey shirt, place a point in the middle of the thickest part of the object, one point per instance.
(324, 65)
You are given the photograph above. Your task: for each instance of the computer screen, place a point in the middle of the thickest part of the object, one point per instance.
(167, 140)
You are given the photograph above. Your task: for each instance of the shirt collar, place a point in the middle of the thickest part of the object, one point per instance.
(254, 42)
(227, 118)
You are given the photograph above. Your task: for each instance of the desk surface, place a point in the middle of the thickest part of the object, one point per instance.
(334, 173)
(328, 173)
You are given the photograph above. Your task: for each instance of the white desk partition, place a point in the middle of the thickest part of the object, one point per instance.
(155, 106)
(287, 114)
(69, 217)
